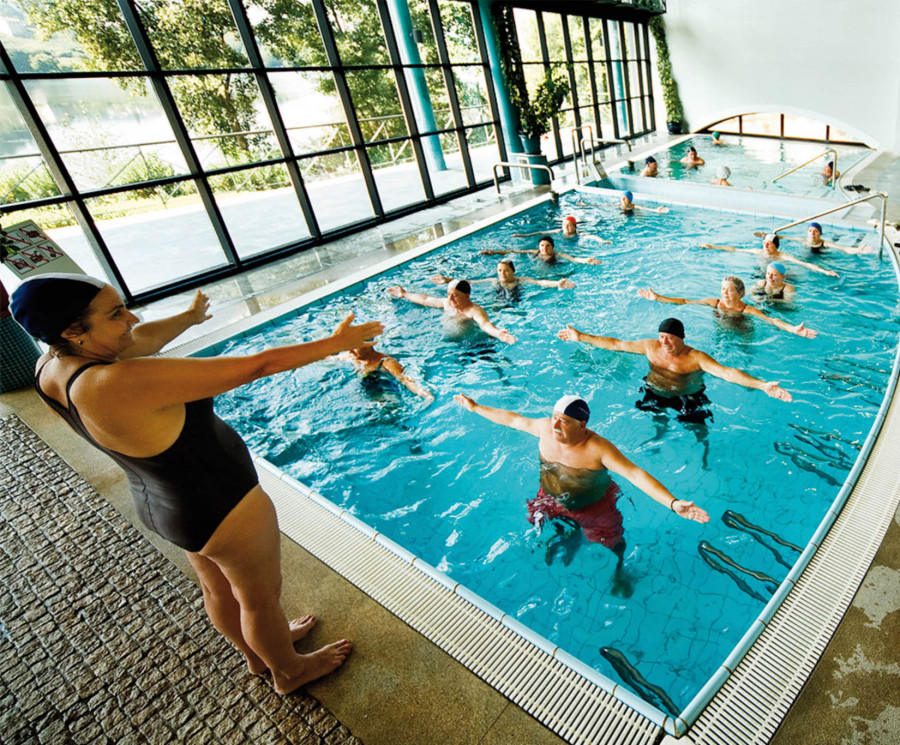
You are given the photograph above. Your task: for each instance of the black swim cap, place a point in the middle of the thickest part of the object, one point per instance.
(48, 304)
(574, 407)
(650, 159)
(672, 326)
(546, 238)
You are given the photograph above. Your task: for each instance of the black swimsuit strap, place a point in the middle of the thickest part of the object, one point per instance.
(77, 374)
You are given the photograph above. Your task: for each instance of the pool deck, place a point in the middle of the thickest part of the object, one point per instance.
(396, 688)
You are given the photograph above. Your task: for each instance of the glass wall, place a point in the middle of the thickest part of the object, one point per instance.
(192, 138)
(782, 125)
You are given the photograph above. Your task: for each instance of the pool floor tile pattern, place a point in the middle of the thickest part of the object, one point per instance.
(102, 639)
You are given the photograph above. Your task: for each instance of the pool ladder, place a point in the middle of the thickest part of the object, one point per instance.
(834, 178)
(582, 145)
(881, 223)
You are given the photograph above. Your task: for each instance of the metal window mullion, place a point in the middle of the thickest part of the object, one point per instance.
(545, 56)
(650, 103)
(61, 175)
(610, 84)
(625, 76)
(412, 125)
(450, 80)
(356, 135)
(245, 29)
(586, 30)
(486, 72)
(167, 100)
(640, 72)
(570, 63)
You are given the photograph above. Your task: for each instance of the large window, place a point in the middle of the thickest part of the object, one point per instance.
(162, 142)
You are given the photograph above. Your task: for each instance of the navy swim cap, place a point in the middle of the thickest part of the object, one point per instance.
(650, 159)
(574, 407)
(672, 326)
(48, 304)
(462, 285)
(816, 226)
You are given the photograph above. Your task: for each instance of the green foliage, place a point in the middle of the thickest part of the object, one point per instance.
(24, 183)
(534, 116)
(674, 110)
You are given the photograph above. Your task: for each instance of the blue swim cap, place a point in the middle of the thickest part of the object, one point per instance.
(48, 304)
(650, 159)
(816, 226)
(778, 267)
(628, 195)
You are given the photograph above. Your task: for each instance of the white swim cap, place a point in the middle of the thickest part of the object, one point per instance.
(723, 172)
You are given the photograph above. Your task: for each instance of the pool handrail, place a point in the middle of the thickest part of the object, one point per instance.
(532, 166)
(884, 198)
(578, 147)
(797, 168)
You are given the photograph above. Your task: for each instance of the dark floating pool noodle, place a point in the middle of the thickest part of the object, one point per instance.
(743, 522)
(707, 553)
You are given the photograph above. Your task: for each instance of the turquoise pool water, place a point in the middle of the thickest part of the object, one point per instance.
(451, 487)
(755, 161)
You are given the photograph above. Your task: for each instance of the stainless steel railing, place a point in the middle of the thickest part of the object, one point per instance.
(834, 171)
(532, 166)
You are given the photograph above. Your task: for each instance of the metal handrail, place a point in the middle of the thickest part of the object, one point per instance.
(532, 166)
(612, 142)
(884, 198)
(797, 168)
(578, 147)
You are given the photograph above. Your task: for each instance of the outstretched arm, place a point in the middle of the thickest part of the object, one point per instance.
(649, 294)
(661, 210)
(604, 342)
(501, 416)
(484, 323)
(396, 369)
(415, 297)
(796, 239)
(799, 330)
(728, 248)
(443, 279)
(812, 267)
(568, 257)
(733, 375)
(499, 251)
(152, 336)
(560, 284)
(539, 232)
(618, 463)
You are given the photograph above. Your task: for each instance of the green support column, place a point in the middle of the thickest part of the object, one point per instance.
(418, 87)
(508, 119)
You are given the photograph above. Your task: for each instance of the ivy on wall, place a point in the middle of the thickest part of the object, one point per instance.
(674, 110)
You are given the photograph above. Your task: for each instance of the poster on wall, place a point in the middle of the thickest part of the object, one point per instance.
(26, 250)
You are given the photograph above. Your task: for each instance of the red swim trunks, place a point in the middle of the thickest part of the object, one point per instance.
(600, 521)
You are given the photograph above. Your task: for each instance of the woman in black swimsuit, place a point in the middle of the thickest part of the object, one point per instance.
(191, 475)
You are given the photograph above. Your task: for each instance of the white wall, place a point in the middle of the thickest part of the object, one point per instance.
(836, 61)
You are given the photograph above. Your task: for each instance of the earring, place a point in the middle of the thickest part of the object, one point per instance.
(80, 342)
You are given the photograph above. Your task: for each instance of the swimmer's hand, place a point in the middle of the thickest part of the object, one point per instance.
(464, 401)
(830, 273)
(489, 252)
(396, 291)
(348, 337)
(569, 334)
(690, 511)
(506, 337)
(592, 261)
(776, 391)
(565, 284)
(648, 294)
(759, 234)
(801, 330)
(662, 210)
(441, 279)
(199, 310)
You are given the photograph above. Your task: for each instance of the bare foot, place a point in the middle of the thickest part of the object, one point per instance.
(313, 666)
(300, 627)
(254, 664)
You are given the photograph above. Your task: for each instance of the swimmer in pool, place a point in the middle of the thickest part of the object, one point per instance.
(717, 139)
(675, 379)
(730, 303)
(828, 172)
(369, 361)
(816, 243)
(546, 252)
(569, 229)
(508, 280)
(650, 167)
(575, 485)
(456, 305)
(692, 159)
(773, 287)
(722, 174)
(769, 252)
(627, 205)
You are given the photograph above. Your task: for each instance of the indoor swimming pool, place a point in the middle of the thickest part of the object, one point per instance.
(754, 163)
(451, 487)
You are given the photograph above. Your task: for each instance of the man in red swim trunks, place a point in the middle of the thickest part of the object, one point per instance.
(575, 481)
